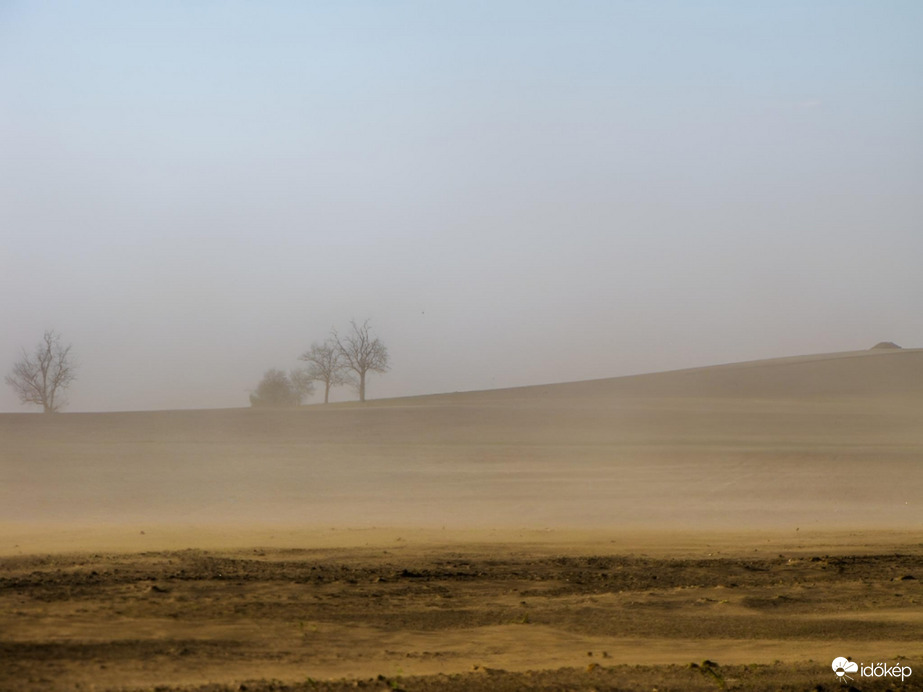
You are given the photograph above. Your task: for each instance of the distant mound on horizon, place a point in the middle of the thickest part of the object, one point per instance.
(885, 345)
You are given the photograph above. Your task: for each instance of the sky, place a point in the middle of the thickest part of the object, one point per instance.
(513, 193)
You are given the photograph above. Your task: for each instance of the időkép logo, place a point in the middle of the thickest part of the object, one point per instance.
(843, 666)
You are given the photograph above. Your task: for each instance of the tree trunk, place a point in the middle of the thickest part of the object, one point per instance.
(326, 391)
(362, 386)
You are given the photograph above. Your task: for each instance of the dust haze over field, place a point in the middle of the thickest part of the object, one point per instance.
(596, 239)
(762, 516)
(829, 441)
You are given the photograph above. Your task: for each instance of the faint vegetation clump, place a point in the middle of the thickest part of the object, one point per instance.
(278, 389)
(41, 378)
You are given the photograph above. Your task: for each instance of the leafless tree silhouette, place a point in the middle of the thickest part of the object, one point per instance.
(326, 364)
(362, 353)
(41, 378)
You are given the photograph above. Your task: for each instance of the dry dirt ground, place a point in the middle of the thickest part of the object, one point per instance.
(765, 517)
(593, 614)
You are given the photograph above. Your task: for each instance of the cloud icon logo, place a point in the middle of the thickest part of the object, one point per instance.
(841, 666)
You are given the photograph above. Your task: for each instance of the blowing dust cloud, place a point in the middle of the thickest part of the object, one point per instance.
(460, 346)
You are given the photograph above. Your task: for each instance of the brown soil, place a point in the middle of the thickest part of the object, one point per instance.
(460, 617)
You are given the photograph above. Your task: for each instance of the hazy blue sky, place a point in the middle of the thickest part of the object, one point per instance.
(515, 192)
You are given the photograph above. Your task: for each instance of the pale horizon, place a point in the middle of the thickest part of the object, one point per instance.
(513, 194)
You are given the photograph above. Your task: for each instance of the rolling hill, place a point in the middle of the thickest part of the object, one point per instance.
(830, 440)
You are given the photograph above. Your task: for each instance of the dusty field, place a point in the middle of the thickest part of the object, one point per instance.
(765, 517)
(505, 614)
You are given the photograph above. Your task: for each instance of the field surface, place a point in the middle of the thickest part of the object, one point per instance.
(756, 520)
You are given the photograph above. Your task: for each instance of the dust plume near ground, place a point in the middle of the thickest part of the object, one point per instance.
(762, 516)
(816, 441)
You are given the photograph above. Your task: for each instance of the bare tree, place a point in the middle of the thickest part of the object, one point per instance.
(361, 353)
(41, 378)
(325, 364)
(277, 389)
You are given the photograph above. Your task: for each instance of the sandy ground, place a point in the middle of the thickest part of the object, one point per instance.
(764, 516)
(585, 608)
